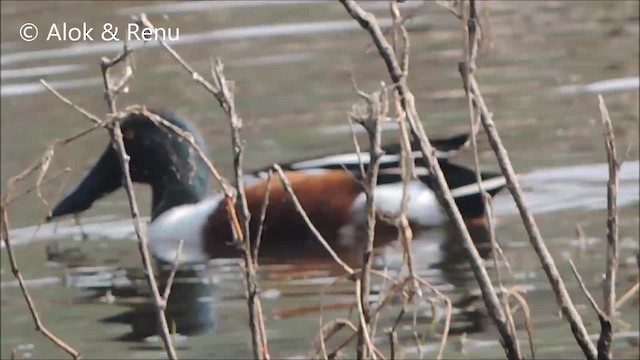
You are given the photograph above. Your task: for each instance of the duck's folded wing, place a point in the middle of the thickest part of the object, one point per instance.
(445, 147)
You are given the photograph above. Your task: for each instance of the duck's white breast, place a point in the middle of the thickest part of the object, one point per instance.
(182, 222)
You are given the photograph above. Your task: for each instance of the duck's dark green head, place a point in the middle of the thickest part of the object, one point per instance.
(158, 157)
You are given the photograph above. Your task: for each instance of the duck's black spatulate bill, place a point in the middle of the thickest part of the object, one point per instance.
(104, 178)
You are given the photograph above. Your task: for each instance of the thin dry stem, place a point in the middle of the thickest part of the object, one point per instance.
(143, 20)
(46, 181)
(65, 100)
(628, 295)
(606, 327)
(447, 322)
(548, 264)
(13, 262)
(172, 275)
(406, 154)
(528, 324)
(582, 239)
(224, 184)
(287, 186)
(364, 328)
(369, 118)
(239, 220)
(586, 292)
(263, 215)
(141, 231)
(386, 300)
(328, 330)
(609, 284)
(368, 22)
(312, 353)
(256, 323)
(469, 26)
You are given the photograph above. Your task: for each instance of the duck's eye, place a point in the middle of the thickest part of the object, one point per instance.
(128, 134)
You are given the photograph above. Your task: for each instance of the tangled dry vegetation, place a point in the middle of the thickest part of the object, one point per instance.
(373, 109)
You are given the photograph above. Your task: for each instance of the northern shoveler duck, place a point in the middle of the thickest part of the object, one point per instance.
(329, 189)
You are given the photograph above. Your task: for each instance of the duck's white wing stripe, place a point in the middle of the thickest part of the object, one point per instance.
(352, 159)
(461, 191)
(418, 170)
(346, 159)
(472, 189)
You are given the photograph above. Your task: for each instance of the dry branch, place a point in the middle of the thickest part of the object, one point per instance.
(238, 218)
(263, 215)
(39, 325)
(256, 323)
(470, 26)
(628, 295)
(7, 198)
(609, 284)
(10, 200)
(369, 118)
(141, 230)
(406, 156)
(368, 22)
(287, 186)
(548, 264)
(172, 275)
(606, 328)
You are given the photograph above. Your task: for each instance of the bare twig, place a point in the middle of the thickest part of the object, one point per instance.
(364, 325)
(356, 146)
(548, 264)
(40, 327)
(143, 20)
(141, 231)
(527, 316)
(263, 214)
(447, 322)
(369, 118)
(406, 154)
(287, 186)
(609, 285)
(65, 100)
(471, 37)
(328, 330)
(172, 275)
(562, 296)
(224, 184)
(582, 239)
(10, 200)
(606, 328)
(628, 295)
(386, 300)
(323, 339)
(402, 21)
(226, 100)
(239, 220)
(7, 198)
(586, 292)
(368, 22)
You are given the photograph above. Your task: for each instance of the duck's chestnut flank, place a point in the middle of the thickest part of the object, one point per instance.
(325, 197)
